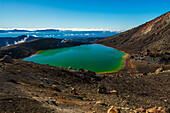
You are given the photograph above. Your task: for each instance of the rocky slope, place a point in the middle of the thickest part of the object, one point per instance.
(150, 40)
(26, 87)
(30, 47)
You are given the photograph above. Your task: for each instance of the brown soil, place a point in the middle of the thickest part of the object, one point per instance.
(30, 87)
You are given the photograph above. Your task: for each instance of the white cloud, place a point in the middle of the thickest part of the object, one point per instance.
(34, 35)
(87, 34)
(21, 41)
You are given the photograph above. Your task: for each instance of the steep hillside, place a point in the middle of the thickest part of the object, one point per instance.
(150, 39)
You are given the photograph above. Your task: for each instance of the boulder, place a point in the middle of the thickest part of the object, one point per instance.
(73, 90)
(159, 70)
(86, 70)
(102, 90)
(151, 110)
(70, 67)
(61, 67)
(100, 102)
(56, 88)
(112, 109)
(7, 59)
(89, 72)
(13, 81)
(81, 70)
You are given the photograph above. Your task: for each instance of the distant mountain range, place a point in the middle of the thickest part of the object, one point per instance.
(14, 36)
(4, 30)
(18, 30)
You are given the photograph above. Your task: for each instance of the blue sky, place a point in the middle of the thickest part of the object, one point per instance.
(107, 14)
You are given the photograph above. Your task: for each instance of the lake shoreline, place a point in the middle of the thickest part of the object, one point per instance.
(117, 65)
(31, 55)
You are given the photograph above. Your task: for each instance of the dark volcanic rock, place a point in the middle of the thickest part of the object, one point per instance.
(102, 90)
(82, 70)
(28, 48)
(7, 59)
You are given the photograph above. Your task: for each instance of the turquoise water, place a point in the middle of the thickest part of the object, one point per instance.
(94, 57)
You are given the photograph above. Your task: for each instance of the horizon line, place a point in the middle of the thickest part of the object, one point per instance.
(64, 29)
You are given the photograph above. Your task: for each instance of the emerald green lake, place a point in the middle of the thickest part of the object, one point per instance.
(94, 57)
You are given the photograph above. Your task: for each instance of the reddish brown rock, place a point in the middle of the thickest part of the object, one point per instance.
(82, 70)
(159, 70)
